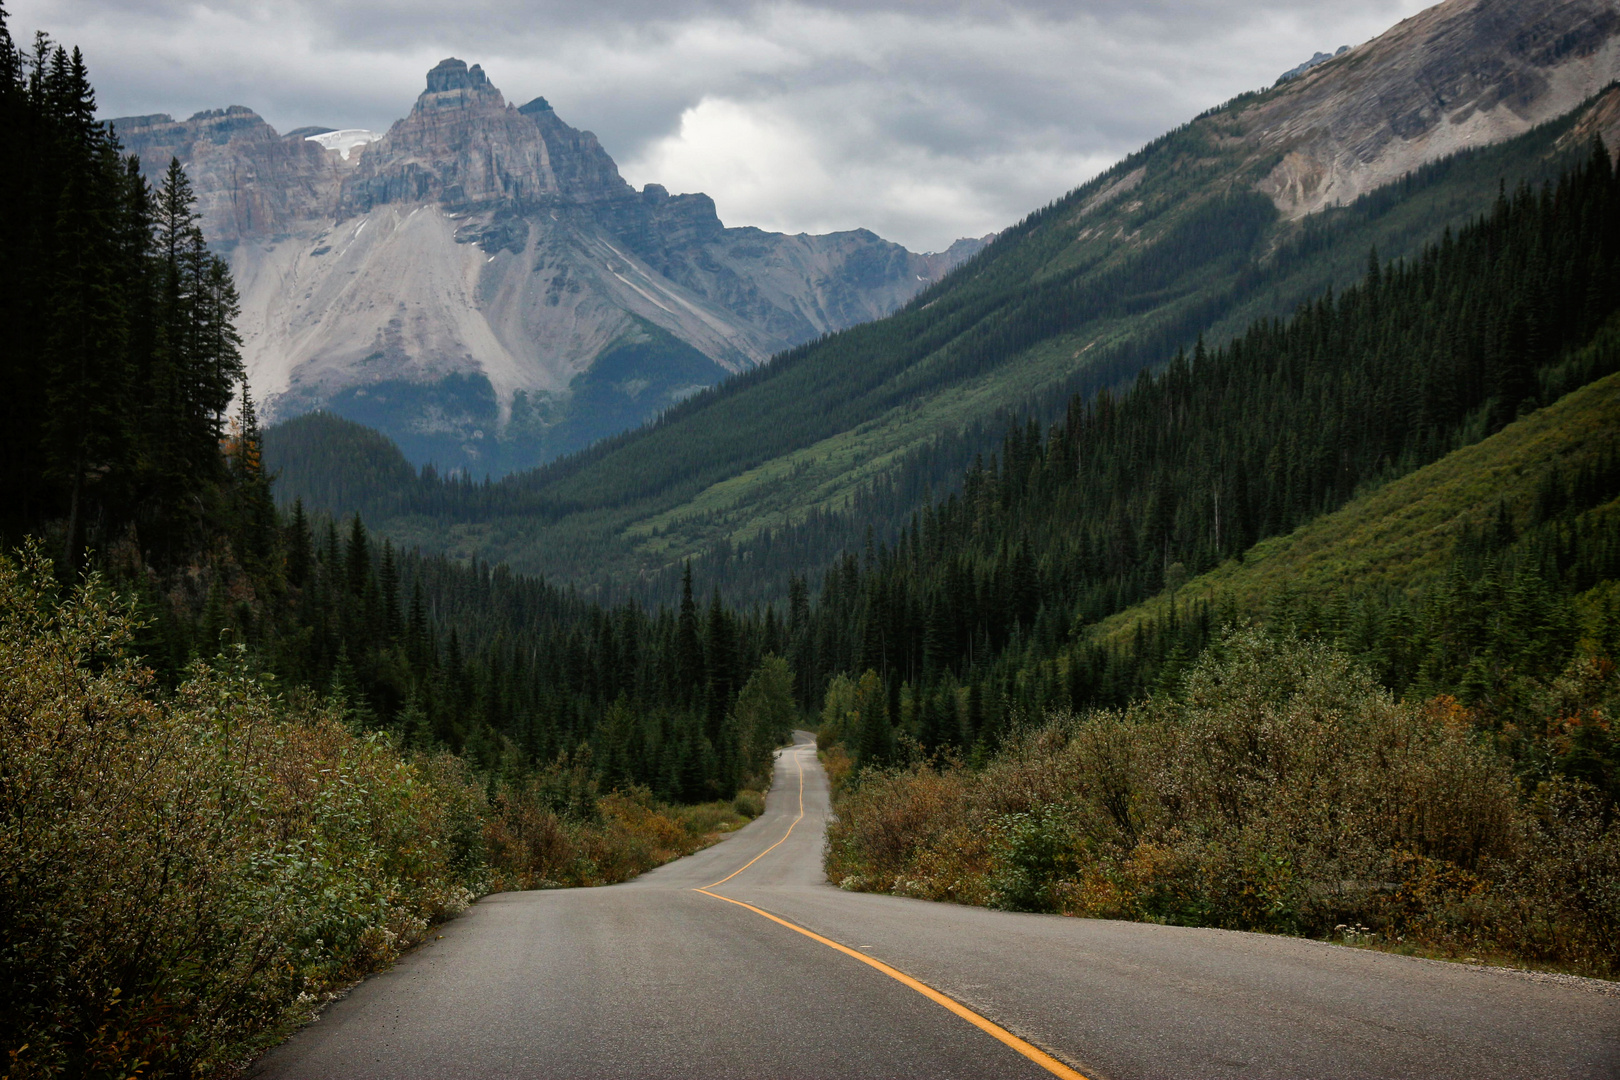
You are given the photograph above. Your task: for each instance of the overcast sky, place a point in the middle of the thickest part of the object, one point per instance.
(923, 120)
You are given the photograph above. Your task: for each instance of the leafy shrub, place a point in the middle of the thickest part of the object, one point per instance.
(1282, 791)
(1037, 851)
(750, 804)
(183, 876)
(531, 846)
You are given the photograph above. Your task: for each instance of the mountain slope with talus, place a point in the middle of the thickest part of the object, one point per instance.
(457, 280)
(1245, 212)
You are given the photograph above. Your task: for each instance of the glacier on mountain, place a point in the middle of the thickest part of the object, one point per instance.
(345, 140)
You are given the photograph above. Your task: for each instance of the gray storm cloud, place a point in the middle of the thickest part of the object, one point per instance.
(921, 121)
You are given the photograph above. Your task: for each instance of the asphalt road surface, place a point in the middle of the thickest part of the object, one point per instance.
(761, 975)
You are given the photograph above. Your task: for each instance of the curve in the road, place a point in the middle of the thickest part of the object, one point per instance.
(713, 884)
(656, 980)
(989, 1027)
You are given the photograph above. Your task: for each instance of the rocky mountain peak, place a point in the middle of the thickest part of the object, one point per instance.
(481, 283)
(452, 84)
(463, 146)
(1316, 59)
(250, 181)
(453, 74)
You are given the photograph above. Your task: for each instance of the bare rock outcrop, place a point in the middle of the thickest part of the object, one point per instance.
(1463, 73)
(250, 181)
(463, 146)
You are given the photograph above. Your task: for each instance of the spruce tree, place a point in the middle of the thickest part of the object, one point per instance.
(689, 666)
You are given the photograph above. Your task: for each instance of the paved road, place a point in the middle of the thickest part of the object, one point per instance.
(654, 979)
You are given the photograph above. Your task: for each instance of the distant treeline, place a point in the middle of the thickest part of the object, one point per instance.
(508, 671)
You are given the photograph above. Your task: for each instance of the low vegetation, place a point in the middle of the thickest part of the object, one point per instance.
(1280, 789)
(184, 875)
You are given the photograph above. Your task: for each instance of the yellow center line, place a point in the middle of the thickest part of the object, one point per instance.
(797, 757)
(989, 1027)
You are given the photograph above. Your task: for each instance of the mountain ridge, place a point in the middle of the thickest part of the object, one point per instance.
(1190, 235)
(1461, 73)
(480, 241)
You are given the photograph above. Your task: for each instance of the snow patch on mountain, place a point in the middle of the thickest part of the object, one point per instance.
(345, 140)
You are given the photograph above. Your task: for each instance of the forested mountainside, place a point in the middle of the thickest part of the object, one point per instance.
(981, 610)
(1131, 495)
(1493, 563)
(1392, 724)
(1191, 235)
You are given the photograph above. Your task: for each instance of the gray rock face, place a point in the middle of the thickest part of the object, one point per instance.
(1317, 58)
(452, 74)
(480, 241)
(250, 182)
(1462, 73)
(463, 146)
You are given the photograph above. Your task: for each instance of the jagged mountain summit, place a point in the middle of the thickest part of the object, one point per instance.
(481, 284)
(1318, 58)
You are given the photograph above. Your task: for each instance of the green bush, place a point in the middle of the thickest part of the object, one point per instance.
(184, 876)
(1283, 791)
(1037, 851)
(750, 804)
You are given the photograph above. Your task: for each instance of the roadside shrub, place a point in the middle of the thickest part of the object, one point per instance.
(184, 876)
(750, 804)
(1037, 850)
(180, 876)
(1284, 791)
(533, 846)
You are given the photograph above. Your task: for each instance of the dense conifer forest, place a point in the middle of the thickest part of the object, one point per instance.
(1135, 493)
(121, 356)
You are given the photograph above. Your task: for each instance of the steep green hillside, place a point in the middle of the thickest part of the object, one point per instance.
(993, 592)
(1171, 243)
(1403, 536)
